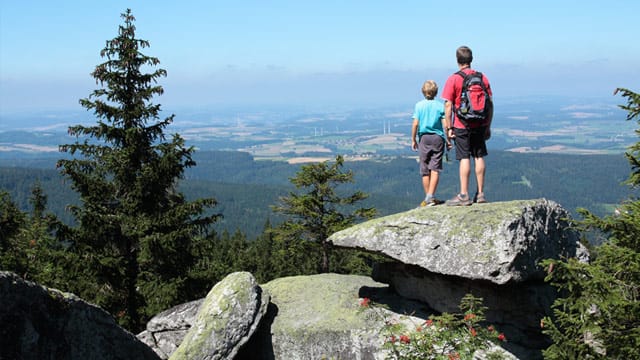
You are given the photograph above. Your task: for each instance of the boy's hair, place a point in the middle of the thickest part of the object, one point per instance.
(464, 55)
(430, 89)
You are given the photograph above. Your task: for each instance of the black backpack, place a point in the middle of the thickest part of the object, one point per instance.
(475, 101)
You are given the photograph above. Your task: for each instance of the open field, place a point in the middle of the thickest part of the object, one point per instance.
(540, 126)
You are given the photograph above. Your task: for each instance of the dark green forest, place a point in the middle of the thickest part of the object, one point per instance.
(245, 188)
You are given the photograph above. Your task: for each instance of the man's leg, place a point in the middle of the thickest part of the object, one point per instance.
(480, 170)
(465, 172)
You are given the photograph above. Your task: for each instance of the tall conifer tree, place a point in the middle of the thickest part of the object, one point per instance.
(135, 231)
(598, 313)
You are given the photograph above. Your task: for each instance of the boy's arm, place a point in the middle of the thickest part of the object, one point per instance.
(414, 133)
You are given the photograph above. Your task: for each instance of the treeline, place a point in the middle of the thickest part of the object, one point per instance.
(245, 189)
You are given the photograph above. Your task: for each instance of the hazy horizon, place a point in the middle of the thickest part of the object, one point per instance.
(333, 53)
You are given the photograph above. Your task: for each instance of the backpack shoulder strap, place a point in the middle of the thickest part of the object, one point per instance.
(462, 74)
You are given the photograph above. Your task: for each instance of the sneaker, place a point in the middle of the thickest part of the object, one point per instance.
(479, 198)
(431, 202)
(459, 200)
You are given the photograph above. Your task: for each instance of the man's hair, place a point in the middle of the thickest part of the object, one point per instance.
(430, 89)
(464, 55)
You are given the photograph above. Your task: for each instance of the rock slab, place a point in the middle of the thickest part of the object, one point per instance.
(499, 242)
(166, 330)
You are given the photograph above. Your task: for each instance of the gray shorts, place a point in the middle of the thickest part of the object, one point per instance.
(430, 150)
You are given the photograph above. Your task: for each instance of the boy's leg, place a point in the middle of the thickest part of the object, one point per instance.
(433, 183)
(426, 180)
(435, 145)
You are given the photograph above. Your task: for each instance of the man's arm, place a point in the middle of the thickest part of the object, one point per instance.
(447, 124)
(487, 132)
(490, 114)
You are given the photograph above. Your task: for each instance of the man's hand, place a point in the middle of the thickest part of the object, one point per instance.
(487, 133)
(450, 134)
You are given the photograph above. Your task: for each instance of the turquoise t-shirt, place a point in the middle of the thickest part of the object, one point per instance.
(429, 114)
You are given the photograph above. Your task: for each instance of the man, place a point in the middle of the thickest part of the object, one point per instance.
(470, 137)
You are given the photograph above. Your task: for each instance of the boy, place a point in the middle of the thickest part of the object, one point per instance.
(429, 123)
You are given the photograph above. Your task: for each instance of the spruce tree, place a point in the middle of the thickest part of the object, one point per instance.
(134, 230)
(319, 212)
(597, 315)
(12, 220)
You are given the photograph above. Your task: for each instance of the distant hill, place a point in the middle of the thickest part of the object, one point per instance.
(246, 188)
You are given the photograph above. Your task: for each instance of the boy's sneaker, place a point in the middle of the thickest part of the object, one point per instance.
(479, 198)
(431, 202)
(459, 200)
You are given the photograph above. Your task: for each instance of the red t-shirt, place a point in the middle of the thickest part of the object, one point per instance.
(453, 89)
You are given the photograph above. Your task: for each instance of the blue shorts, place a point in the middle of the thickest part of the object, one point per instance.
(470, 143)
(430, 150)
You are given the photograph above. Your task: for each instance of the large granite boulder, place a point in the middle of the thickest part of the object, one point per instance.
(41, 323)
(499, 242)
(226, 319)
(490, 250)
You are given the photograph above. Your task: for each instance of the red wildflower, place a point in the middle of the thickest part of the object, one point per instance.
(419, 328)
(365, 302)
(501, 337)
(404, 339)
(454, 356)
(392, 339)
(490, 328)
(428, 322)
(473, 332)
(469, 316)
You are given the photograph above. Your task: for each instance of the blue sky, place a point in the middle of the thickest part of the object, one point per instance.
(319, 53)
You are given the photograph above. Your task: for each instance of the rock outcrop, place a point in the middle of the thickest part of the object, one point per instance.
(490, 250)
(41, 323)
(318, 316)
(436, 256)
